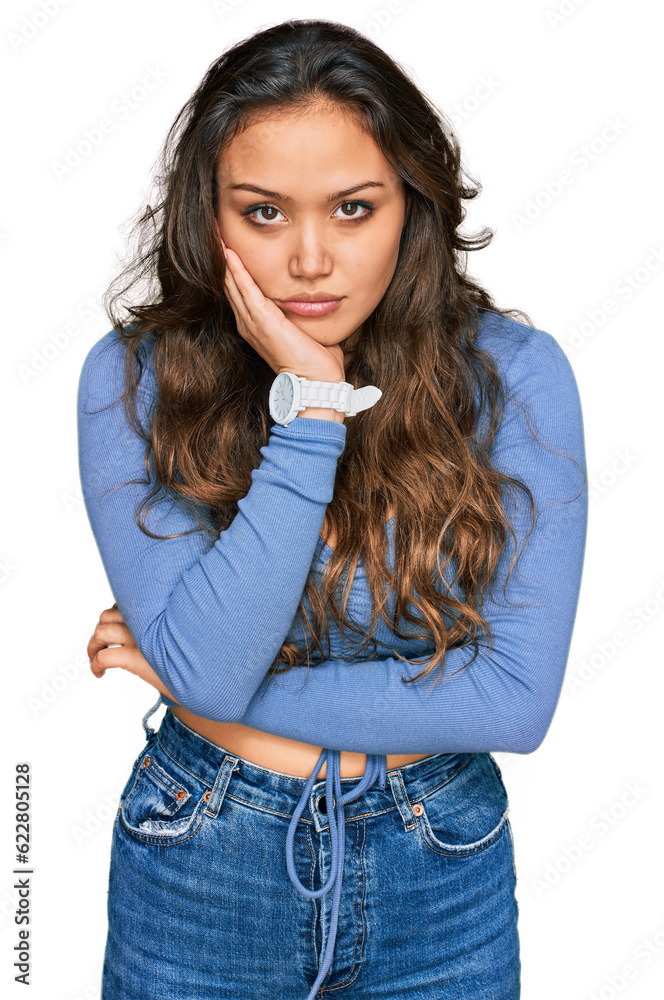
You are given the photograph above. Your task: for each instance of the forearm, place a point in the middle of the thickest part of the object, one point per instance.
(506, 698)
(504, 701)
(209, 613)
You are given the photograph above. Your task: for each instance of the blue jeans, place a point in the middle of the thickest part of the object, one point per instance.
(201, 905)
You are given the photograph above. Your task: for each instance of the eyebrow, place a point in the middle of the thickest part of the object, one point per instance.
(289, 201)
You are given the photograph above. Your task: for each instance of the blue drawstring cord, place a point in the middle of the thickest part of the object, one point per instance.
(376, 768)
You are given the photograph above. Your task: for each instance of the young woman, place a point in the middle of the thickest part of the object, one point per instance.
(315, 434)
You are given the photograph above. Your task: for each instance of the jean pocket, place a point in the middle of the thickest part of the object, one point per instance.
(466, 814)
(162, 802)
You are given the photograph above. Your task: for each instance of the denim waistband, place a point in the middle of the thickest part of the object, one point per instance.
(375, 792)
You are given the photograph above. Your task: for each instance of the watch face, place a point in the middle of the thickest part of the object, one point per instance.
(282, 396)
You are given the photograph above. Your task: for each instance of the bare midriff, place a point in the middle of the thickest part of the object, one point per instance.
(276, 752)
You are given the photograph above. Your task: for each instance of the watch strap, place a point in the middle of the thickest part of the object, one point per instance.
(363, 398)
(324, 394)
(339, 396)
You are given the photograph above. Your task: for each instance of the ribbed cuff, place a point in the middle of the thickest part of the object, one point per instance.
(311, 427)
(303, 457)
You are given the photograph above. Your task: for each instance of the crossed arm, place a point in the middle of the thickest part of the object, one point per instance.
(505, 699)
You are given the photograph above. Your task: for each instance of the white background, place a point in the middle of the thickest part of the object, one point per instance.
(529, 86)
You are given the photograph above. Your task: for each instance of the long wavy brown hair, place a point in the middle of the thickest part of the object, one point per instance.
(421, 452)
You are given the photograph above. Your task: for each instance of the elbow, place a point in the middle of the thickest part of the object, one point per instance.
(199, 676)
(534, 725)
(192, 683)
(528, 742)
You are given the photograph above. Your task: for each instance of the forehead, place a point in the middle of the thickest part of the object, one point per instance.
(320, 147)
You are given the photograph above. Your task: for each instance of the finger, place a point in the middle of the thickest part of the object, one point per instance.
(232, 290)
(108, 658)
(114, 657)
(248, 294)
(113, 634)
(97, 667)
(252, 298)
(235, 299)
(111, 615)
(243, 319)
(110, 634)
(131, 661)
(257, 317)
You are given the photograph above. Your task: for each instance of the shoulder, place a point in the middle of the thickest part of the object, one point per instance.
(102, 376)
(525, 355)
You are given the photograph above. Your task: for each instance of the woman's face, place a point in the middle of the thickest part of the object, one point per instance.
(280, 208)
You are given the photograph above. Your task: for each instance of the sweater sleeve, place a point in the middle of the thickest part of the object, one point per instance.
(506, 698)
(208, 612)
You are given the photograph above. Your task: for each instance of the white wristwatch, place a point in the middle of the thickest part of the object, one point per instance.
(289, 394)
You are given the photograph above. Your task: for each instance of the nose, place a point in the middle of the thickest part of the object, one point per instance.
(310, 254)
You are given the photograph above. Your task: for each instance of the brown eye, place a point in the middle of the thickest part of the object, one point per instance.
(353, 215)
(267, 209)
(261, 219)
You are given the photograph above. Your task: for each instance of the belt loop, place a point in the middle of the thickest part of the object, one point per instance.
(149, 731)
(215, 797)
(401, 799)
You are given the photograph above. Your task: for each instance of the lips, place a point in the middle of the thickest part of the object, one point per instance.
(309, 308)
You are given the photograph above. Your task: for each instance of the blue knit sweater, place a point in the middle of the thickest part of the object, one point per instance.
(210, 613)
